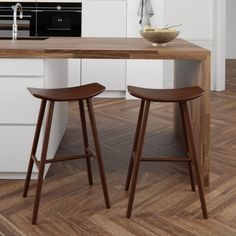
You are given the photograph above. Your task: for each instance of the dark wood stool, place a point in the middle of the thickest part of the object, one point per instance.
(180, 96)
(80, 93)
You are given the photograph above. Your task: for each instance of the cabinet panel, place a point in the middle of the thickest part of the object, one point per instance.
(144, 73)
(17, 104)
(110, 73)
(104, 19)
(15, 150)
(21, 67)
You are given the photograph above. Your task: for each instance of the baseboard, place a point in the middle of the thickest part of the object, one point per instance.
(112, 94)
(17, 175)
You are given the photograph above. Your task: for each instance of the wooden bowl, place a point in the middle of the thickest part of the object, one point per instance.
(159, 37)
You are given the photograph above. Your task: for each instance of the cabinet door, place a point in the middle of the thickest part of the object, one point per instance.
(16, 144)
(104, 19)
(110, 73)
(18, 106)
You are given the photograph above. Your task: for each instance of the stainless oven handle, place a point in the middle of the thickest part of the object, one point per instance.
(36, 10)
(56, 11)
(10, 16)
(58, 29)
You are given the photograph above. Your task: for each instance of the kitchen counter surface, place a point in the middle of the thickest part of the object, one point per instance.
(118, 48)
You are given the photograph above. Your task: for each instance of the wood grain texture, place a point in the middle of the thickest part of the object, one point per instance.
(188, 73)
(165, 204)
(113, 48)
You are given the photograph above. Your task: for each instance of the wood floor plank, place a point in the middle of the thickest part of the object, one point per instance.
(164, 203)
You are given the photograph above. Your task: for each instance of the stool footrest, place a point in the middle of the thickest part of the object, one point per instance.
(166, 159)
(66, 158)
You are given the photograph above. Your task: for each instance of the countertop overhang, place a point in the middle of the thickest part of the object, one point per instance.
(92, 47)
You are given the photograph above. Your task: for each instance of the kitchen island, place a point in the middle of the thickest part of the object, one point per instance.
(192, 67)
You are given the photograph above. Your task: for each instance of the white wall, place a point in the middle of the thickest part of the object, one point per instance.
(230, 29)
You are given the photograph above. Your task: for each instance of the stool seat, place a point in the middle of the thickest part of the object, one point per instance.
(166, 95)
(68, 94)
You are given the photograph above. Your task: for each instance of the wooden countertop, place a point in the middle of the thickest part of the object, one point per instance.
(114, 48)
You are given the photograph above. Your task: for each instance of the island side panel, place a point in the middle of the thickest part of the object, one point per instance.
(188, 73)
(56, 76)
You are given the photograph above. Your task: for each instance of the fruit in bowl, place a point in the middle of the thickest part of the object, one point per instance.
(159, 36)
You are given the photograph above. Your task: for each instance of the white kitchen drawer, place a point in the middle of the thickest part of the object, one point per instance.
(21, 67)
(17, 105)
(110, 73)
(16, 142)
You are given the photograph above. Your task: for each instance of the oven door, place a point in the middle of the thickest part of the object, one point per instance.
(58, 23)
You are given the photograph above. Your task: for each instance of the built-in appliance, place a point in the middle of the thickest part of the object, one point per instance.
(58, 19)
(42, 19)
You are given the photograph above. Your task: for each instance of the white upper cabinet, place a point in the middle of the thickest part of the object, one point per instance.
(196, 17)
(104, 19)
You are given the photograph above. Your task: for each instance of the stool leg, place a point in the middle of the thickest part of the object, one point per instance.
(98, 151)
(193, 153)
(134, 149)
(187, 147)
(42, 162)
(85, 138)
(137, 159)
(34, 146)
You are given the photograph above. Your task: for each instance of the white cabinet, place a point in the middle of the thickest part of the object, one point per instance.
(19, 110)
(17, 104)
(16, 141)
(102, 18)
(110, 73)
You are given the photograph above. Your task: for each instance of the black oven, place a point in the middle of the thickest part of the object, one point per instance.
(58, 19)
(42, 19)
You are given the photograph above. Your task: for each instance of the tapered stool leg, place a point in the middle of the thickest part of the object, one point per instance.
(85, 138)
(134, 149)
(98, 151)
(190, 167)
(137, 157)
(42, 162)
(193, 153)
(34, 146)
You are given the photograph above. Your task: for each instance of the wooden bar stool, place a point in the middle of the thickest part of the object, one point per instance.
(180, 96)
(80, 93)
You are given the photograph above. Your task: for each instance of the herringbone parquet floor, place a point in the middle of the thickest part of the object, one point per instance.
(164, 204)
